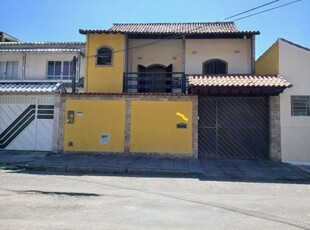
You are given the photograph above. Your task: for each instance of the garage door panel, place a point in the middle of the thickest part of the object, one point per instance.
(44, 135)
(207, 113)
(242, 143)
(240, 129)
(207, 140)
(22, 126)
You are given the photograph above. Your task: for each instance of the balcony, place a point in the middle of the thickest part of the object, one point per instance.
(42, 78)
(155, 82)
(59, 77)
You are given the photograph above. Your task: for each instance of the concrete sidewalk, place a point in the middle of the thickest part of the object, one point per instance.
(210, 169)
(100, 163)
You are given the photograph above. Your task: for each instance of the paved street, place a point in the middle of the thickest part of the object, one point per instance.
(51, 201)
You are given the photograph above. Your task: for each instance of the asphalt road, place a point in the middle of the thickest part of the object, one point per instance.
(49, 201)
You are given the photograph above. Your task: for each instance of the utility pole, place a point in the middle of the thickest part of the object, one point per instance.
(73, 73)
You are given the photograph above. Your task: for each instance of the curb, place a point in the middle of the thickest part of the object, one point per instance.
(109, 170)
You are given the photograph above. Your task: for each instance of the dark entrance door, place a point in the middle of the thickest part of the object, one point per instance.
(155, 79)
(233, 127)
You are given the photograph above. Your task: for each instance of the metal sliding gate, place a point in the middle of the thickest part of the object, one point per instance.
(233, 127)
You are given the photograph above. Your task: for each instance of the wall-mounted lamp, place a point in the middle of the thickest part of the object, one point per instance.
(236, 51)
(194, 52)
(140, 58)
(174, 57)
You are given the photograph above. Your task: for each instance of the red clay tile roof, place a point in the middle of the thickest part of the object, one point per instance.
(173, 28)
(238, 80)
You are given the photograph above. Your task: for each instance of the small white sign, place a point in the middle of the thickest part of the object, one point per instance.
(80, 113)
(104, 138)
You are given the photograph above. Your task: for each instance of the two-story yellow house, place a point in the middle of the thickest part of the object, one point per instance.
(173, 89)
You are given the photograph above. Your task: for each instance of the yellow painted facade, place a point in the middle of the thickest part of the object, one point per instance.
(104, 79)
(154, 127)
(268, 63)
(98, 126)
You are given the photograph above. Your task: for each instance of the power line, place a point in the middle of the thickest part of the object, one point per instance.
(247, 11)
(277, 7)
(199, 27)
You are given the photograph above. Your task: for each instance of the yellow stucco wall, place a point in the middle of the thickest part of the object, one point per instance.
(104, 79)
(91, 119)
(268, 63)
(153, 127)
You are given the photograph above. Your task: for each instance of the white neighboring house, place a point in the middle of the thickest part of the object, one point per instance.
(32, 75)
(292, 62)
(4, 37)
(41, 61)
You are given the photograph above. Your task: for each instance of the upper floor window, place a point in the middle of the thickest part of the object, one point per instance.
(59, 70)
(104, 56)
(300, 105)
(214, 66)
(8, 69)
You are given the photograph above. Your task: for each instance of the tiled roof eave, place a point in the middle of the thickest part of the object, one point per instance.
(195, 28)
(30, 87)
(241, 81)
(41, 50)
(85, 32)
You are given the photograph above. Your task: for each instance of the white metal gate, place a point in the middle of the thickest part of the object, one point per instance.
(26, 122)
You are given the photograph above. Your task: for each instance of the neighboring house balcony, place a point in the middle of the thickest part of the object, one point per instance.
(59, 77)
(48, 78)
(155, 82)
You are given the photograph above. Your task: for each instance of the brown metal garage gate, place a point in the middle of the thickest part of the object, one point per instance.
(233, 127)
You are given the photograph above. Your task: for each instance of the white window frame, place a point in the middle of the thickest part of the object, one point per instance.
(61, 76)
(4, 72)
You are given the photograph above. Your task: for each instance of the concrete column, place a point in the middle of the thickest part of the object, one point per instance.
(62, 120)
(195, 128)
(274, 129)
(127, 125)
(58, 128)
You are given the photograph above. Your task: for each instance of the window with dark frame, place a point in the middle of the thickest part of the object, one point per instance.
(104, 56)
(214, 66)
(300, 105)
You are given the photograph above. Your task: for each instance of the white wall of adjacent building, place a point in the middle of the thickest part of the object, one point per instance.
(295, 130)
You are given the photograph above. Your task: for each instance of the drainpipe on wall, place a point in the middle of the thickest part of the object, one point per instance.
(127, 54)
(183, 53)
(74, 60)
(183, 64)
(24, 62)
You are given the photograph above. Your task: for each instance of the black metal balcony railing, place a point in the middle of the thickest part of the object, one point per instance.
(155, 82)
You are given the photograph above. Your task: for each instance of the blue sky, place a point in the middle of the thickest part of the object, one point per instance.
(60, 20)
